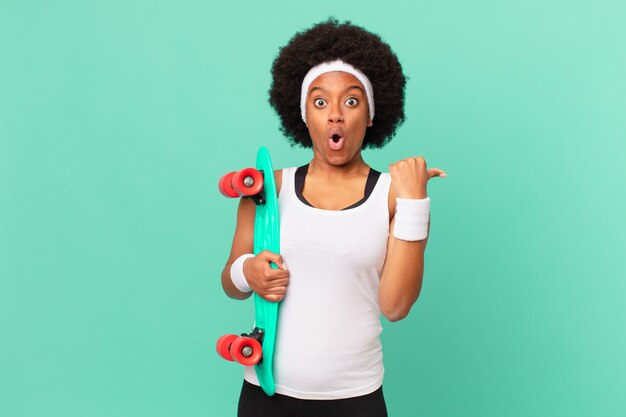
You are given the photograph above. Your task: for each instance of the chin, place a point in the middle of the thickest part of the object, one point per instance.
(339, 160)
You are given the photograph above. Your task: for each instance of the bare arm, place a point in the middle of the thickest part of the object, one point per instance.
(269, 283)
(401, 280)
(243, 242)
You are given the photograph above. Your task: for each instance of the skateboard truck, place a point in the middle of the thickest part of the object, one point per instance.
(258, 198)
(256, 334)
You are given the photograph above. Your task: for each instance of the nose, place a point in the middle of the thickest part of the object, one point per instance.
(335, 115)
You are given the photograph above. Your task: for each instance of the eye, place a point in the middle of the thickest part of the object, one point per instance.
(319, 102)
(352, 102)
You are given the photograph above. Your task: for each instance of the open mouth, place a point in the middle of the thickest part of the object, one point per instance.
(336, 141)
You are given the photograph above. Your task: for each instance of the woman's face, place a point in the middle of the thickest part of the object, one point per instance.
(337, 116)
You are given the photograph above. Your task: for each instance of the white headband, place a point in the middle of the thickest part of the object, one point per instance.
(337, 65)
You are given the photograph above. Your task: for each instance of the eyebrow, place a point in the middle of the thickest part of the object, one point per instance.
(347, 88)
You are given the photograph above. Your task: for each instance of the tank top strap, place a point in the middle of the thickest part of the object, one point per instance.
(381, 190)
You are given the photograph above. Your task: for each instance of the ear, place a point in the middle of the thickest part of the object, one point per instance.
(369, 122)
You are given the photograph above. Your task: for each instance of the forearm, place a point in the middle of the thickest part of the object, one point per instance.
(401, 280)
(229, 287)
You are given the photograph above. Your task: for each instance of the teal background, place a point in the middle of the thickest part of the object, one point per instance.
(118, 118)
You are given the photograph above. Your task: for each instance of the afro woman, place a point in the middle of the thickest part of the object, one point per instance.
(352, 238)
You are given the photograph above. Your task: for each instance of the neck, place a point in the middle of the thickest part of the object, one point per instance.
(320, 168)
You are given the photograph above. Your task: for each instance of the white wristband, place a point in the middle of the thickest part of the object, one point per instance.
(411, 218)
(236, 273)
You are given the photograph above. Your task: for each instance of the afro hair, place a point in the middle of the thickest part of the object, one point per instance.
(327, 41)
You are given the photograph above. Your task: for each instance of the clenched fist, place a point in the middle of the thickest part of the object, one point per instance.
(409, 177)
(264, 280)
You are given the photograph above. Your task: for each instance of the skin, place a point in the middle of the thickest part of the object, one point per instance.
(336, 179)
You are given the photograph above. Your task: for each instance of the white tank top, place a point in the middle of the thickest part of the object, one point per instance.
(328, 344)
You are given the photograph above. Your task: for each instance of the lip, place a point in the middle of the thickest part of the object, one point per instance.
(335, 131)
(338, 145)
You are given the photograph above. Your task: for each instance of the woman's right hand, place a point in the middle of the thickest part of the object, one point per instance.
(269, 283)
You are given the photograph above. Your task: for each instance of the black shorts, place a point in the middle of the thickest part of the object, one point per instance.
(253, 402)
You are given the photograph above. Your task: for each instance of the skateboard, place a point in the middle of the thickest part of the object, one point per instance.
(257, 347)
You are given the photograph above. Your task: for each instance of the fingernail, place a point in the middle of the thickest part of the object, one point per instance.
(443, 175)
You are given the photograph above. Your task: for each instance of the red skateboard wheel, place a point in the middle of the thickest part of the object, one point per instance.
(223, 346)
(247, 182)
(226, 187)
(246, 351)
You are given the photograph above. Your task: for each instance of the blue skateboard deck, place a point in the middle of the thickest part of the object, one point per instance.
(257, 347)
(266, 237)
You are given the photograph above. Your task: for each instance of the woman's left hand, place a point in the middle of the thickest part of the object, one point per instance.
(409, 177)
